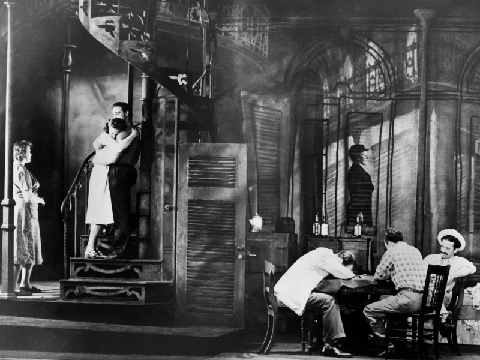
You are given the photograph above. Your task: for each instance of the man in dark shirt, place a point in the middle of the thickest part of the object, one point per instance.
(122, 176)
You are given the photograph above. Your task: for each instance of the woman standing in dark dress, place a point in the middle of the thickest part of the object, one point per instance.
(360, 187)
(28, 251)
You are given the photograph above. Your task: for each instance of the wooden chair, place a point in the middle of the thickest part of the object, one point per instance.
(397, 325)
(275, 309)
(454, 309)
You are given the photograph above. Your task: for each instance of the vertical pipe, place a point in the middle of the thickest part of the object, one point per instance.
(339, 119)
(424, 15)
(204, 50)
(377, 201)
(7, 286)
(67, 69)
(175, 185)
(160, 251)
(146, 159)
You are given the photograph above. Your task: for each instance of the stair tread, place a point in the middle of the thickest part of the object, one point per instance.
(119, 261)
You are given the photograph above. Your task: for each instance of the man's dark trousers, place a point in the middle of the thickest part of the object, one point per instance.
(120, 180)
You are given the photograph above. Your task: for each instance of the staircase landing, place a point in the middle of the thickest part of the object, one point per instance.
(49, 305)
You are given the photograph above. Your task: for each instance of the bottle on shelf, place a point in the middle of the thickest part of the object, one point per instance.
(324, 230)
(358, 226)
(316, 226)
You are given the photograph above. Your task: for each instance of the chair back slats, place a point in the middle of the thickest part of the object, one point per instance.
(435, 282)
(416, 332)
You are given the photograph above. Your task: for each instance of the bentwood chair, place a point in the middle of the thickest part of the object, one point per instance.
(400, 329)
(276, 309)
(454, 309)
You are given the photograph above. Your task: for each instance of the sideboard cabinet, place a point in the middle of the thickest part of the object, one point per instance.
(278, 248)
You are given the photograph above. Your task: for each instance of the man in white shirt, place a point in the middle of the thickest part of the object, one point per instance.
(451, 242)
(296, 289)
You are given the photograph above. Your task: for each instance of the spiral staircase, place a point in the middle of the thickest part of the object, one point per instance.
(127, 28)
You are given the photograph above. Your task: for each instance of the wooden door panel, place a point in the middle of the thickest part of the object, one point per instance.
(211, 234)
(266, 127)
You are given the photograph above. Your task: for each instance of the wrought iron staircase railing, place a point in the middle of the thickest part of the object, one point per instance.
(70, 201)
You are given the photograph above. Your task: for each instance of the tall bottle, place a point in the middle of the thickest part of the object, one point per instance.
(324, 231)
(317, 226)
(358, 226)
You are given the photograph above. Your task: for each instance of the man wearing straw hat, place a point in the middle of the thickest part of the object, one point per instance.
(451, 242)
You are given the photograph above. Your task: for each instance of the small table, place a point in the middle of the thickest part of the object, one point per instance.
(352, 296)
(358, 284)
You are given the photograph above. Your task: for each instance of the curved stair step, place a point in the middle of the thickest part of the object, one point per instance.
(140, 270)
(118, 291)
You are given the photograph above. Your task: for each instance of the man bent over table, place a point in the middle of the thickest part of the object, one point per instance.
(403, 264)
(296, 287)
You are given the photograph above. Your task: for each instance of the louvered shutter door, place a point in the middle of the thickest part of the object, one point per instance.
(211, 230)
(267, 144)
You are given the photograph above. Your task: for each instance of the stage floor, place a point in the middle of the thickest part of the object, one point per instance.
(50, 291)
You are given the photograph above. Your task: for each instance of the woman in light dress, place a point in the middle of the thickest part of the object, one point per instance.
(99, 206)
(28, 249)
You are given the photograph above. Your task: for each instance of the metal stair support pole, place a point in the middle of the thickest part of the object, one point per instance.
(67, 70)
(7, 286)
(146, 159)
(425, 16)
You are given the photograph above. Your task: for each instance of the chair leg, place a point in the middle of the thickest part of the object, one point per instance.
(268, 335)
(435, 338)
(304, 337)
(422, 348)
(387, 336)
(450, 340)
(312, 331)
(272, 336)
(453, 334)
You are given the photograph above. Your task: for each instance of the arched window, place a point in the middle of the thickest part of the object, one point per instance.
(348, 70)
(411, 55)
(346, 75)
(375, 77)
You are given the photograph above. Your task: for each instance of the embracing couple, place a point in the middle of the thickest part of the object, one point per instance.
(117, 150)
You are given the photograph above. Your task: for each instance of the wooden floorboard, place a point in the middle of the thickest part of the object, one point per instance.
(286, 347)
(192, 331)
(282, 351)
(289, 347)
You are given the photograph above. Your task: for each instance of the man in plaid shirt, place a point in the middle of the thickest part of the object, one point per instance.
(403, 264)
